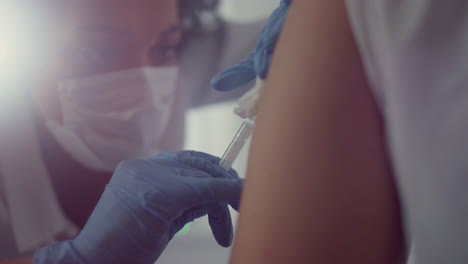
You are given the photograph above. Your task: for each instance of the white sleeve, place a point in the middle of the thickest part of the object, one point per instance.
(34, 214)
(7, 240)
(416, 56)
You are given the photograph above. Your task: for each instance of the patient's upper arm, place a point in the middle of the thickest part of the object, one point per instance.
(319, 187)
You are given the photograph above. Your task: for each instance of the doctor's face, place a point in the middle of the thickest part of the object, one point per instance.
(98, 36)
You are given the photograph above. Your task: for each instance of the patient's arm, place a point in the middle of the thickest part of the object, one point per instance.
(319, 186)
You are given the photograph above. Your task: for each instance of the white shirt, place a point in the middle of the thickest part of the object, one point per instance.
(416, 56)
(30, 215)
(29, 207)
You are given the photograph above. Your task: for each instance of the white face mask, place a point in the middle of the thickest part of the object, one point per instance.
(115, 116)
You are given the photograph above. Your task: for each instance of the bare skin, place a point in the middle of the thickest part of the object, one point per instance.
(88, 37)
(319, 185)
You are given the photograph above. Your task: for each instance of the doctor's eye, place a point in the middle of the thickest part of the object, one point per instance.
(161, 54)
(96, 48)
(166, 46)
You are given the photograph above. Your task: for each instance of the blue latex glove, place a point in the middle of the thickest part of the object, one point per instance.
(257, 62)
(145, 203)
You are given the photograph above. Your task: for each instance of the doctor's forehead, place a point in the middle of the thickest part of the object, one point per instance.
(140, 17)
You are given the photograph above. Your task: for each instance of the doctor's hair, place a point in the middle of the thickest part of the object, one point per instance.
(198, 19)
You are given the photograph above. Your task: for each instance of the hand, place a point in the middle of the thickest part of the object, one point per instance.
(257, 62)
(146, 202)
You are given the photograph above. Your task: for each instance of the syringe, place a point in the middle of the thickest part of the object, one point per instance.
(237, 143)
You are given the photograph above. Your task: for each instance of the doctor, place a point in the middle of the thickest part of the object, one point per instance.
(118, 81)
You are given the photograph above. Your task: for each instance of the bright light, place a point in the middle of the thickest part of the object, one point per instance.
(13, 30)
(19, 26)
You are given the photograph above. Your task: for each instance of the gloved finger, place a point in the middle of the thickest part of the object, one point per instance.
(203, 164)
(235, 205)
(220, 222)
(233, 173)
(212, 190)
(262, 62)
(170, 162)
(193, 153)
(236, 76)
(147, 168)
(275, 23)
(193, 173)
(232, 78)
(186, 217)
(188, 154)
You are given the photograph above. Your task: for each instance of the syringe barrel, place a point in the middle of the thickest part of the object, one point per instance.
(237, 144)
